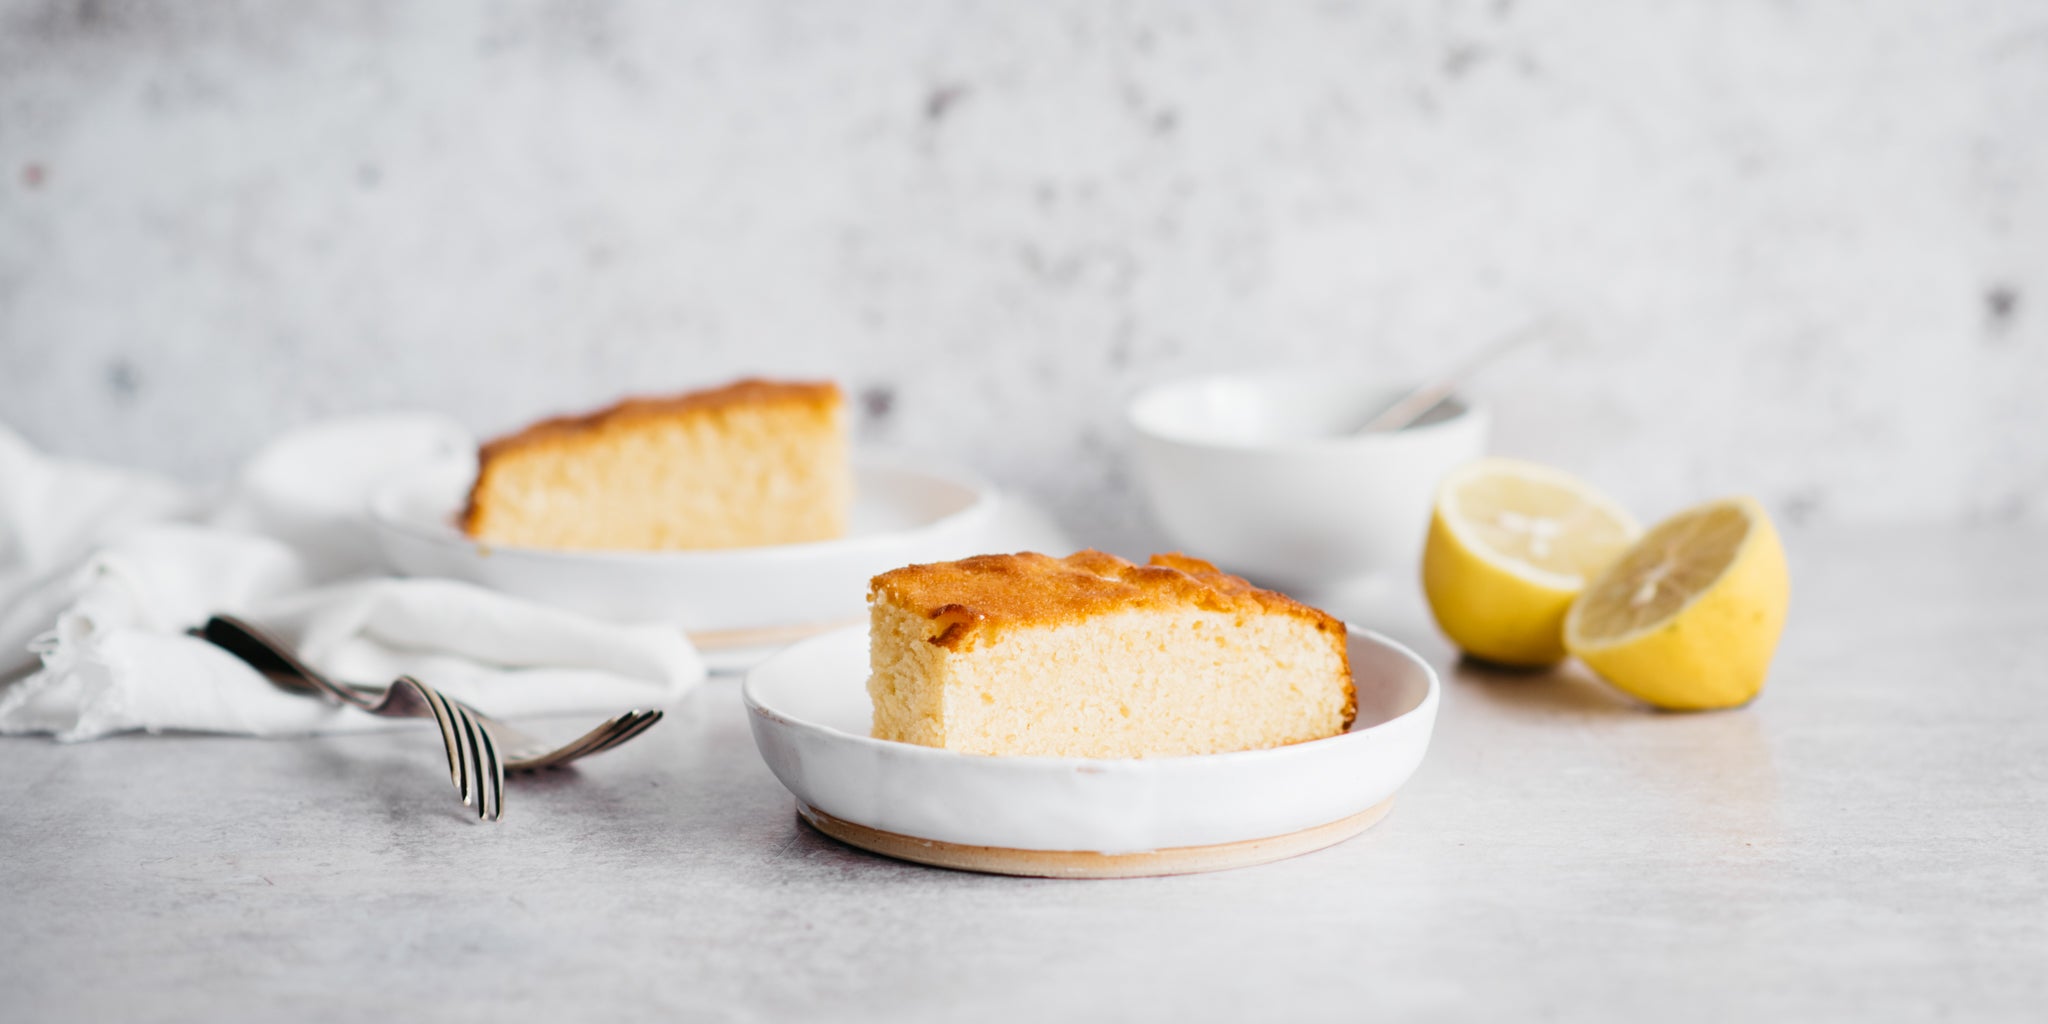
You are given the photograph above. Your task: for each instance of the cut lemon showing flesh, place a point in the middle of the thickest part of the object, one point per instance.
(1688, 618)
(1511, 544)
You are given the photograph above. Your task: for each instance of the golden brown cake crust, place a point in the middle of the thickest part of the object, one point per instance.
(975, 599)
(750, 391)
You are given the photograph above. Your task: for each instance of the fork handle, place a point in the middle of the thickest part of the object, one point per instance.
(277, 663)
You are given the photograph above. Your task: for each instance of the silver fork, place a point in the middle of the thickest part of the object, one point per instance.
(470, 736)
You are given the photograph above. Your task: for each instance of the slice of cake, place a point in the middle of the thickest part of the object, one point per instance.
(754, 462)
(1092, 656)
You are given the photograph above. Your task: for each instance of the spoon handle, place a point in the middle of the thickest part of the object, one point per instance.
(1417, 403)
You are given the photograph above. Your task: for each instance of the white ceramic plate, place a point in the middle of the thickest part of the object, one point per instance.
(742, 600)
(810, 713)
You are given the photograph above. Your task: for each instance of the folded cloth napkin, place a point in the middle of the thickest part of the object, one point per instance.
(102, 570)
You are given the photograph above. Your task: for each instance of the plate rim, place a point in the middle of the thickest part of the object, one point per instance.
(982, 506)
(1429, 704)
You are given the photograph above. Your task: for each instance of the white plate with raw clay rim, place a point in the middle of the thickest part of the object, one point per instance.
(1082, 817)
(737, 604)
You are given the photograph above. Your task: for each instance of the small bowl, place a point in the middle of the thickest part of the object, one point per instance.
(1265, 473)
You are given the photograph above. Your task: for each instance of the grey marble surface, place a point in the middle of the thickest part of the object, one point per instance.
(1868, 840)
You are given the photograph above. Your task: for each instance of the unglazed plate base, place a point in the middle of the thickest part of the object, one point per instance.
(1184, 860)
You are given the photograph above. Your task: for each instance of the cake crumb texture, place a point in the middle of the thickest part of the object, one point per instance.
(755, 462)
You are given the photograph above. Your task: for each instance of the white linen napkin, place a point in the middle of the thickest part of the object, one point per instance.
(102, 570)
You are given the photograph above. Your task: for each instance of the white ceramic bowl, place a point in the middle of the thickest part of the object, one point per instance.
(733, 597)
(810, 713)
(1265, 475)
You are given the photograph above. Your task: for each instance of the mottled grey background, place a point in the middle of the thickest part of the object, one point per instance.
(1809, 240)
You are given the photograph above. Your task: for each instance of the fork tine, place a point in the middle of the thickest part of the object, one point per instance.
(573, 749)
(640, 721)
(471, 794)
(465, 780)
(491, 770)
(441, 718)
(617, 731)
(606, 736)
(466, 785)
(479, 787)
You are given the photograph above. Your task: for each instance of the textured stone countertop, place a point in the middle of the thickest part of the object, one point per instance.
(1868, 840)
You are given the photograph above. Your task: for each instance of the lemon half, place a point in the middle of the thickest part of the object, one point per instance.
(1689, 617)
(1510, 545)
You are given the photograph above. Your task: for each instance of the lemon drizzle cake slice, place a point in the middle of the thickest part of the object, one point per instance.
(1094, 656)
(754, 462)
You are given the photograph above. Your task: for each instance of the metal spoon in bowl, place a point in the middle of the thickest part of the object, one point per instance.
(1417, 403)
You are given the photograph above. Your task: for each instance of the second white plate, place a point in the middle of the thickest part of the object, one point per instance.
(749, 599)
